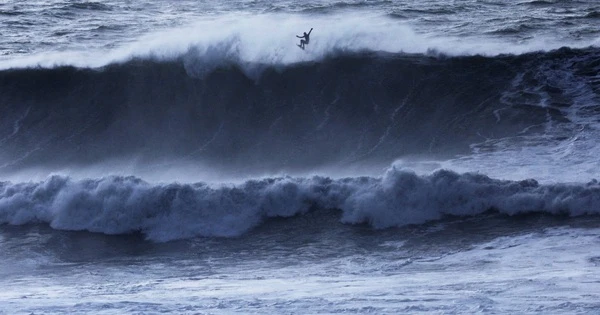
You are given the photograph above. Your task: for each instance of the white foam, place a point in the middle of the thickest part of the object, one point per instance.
(116, 205)
(271, 39)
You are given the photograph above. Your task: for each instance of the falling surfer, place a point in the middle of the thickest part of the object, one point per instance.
(304, 42)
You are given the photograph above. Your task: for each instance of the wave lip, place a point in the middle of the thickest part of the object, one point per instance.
(121, 205)
(253, 39)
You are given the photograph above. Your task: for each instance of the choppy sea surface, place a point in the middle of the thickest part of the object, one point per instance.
(188, 157)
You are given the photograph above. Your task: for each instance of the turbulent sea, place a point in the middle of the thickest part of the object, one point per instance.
(418, 157)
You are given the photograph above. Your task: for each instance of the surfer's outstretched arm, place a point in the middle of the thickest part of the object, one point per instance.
(299, 36)
(310, 31)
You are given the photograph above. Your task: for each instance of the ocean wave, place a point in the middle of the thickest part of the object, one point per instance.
(93, 6)
(592, 15)
(351, 107)
(123, 205)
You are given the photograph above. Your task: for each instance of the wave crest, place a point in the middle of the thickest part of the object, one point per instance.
(120, 205)
(270, 39)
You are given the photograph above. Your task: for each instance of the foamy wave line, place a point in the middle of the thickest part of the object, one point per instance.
(270, 39)
(119, 205)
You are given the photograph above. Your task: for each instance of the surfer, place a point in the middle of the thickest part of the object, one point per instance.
(304, 42)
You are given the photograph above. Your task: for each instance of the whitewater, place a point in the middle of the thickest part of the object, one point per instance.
(188, 157)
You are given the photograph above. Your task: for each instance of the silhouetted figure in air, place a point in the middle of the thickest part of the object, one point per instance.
(304, 42)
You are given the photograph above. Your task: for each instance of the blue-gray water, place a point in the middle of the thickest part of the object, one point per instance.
(187, 157)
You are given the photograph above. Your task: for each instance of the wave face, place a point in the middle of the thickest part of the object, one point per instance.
(345, 109)
(117, 205)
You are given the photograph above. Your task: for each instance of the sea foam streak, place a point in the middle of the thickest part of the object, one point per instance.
(117, 205)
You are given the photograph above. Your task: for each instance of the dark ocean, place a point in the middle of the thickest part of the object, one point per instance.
(435, 157)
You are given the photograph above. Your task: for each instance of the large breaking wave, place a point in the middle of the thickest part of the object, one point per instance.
(117, 205)
(349, 108)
